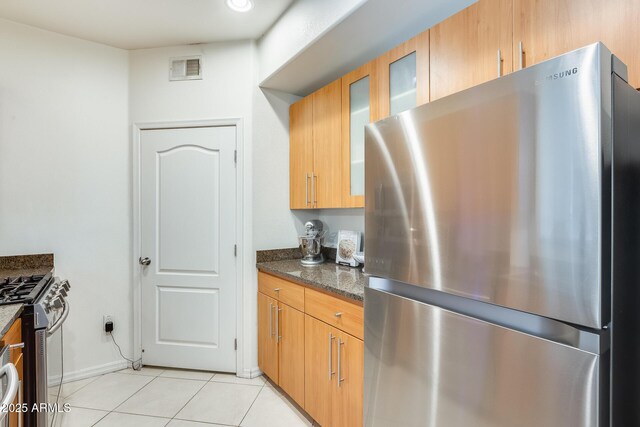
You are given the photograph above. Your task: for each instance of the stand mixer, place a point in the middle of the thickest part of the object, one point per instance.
(311, 243)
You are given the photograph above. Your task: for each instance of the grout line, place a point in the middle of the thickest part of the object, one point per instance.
(186, 379)
(101, 418)
(140, 415)
(251, 406)
(190, 399)
(70, 382)
(134, 393)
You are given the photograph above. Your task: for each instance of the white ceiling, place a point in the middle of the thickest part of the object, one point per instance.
(137, 24)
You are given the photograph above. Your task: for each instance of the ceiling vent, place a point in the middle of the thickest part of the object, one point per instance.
(185, 68)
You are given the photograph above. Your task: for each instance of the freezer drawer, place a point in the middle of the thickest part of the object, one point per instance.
(426, 366)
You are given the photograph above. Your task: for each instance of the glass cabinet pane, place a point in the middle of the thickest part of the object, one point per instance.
(359, 110)
(402, 84)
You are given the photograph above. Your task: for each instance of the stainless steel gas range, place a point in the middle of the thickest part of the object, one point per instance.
(46, 309)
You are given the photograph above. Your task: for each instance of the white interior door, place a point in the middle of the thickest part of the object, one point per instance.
(188, 232)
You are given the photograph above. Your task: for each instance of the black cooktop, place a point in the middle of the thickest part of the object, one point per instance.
(23, 289)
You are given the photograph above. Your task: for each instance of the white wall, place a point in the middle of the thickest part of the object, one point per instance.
(274, 224)
(65, 177)
(225, 91)
(303, 23)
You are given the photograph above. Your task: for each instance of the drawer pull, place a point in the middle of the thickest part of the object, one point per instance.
(277, 290)
(331, 372)
(340, 378)
(338, 314)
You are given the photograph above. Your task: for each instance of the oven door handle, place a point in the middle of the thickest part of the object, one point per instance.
(65, 312)
(12, 387)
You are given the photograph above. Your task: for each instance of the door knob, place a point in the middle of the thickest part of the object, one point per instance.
(144, 261)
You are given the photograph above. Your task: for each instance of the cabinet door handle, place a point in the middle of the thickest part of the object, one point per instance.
(278, 336)
(314, 202)
(306, 189)
(340, 379)
(331, 372)
(270, 319)
(499, 63)
(520, 54)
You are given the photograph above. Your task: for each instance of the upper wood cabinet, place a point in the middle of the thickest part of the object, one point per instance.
(359, 108)
(315, 131)
(327, 147)
(549, 28)
(403, 76)
(471, 47)
(300, 153)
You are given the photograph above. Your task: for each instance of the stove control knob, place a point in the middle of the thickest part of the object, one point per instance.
(65, 285)
(62, 291)
(56, 303)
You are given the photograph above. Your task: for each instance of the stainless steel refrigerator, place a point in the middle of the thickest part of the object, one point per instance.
(502, 232)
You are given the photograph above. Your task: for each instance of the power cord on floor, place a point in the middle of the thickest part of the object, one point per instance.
(136, 365)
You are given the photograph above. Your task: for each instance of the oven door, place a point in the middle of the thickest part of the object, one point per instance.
(54, 373)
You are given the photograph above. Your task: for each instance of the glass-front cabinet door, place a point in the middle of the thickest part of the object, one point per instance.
(359, 108)
(404, 76)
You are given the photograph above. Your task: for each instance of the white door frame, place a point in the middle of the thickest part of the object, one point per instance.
(137, 320)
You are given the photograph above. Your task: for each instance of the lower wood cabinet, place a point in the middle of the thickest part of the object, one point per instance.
(315, 356)
(334, 374)
(267, 345)
(318, 370)
(281, 345)
(291, 356)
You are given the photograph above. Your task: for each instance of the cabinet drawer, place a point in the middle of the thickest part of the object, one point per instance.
(341, 314)
(282, 290)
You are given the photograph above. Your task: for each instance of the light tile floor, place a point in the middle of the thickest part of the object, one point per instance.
(155, 397)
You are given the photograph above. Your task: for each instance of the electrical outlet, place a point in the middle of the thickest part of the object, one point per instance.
(106, 319)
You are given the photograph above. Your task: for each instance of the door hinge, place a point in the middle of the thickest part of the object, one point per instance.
(235, 250)
(235, 344)
(235, 156)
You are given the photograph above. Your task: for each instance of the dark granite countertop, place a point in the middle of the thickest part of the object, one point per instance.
(345, 281)
(8, 315)
(20, 265)
(25, 265)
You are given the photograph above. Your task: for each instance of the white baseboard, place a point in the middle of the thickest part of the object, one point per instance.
(95, 371)
(250, 373)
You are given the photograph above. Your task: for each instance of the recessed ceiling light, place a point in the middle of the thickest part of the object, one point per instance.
(240, 5)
